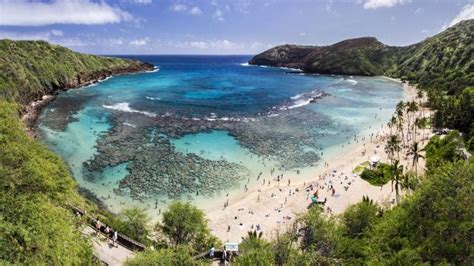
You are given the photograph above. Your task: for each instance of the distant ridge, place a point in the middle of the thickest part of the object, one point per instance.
(448, 54)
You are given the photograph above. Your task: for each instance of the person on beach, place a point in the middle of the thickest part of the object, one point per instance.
(107, 231)
(224, 256)
(114, 239)
(97, 227)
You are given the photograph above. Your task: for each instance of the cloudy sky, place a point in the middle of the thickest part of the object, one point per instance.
(223, 26)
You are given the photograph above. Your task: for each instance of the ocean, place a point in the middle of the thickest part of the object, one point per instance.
(206, 128)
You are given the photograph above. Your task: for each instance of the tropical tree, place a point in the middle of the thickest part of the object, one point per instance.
(399, 110)
(393, 145)
(135, 224)
(397, 179)
(184, 224)
(392, 123)
(412, 108)
(415, 151)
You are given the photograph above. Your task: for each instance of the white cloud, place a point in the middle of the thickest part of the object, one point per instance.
(182, 8)
(303, 34)
(374, 4)
(26, 13)
(215, 44)
(218, 14)
(195, 11)
(179, 8)
(139, 42)
(466, 13)
(142, 2)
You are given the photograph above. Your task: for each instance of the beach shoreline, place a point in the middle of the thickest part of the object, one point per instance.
(30, 112)
(274, 208)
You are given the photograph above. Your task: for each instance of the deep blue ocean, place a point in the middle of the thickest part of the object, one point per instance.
(199, 120)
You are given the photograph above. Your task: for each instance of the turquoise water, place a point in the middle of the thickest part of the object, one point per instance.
(205, 126)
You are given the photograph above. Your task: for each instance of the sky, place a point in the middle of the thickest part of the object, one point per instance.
(223, 26)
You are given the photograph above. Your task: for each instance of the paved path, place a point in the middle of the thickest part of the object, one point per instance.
(105, 252)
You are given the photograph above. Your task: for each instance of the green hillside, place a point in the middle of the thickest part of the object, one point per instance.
(30, 69)
(445, 60)
(36, 226)
(442, 65)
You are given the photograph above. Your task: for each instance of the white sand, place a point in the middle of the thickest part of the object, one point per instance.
(257, 206)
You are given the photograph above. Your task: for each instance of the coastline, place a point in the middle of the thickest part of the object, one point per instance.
(31, 111)
(282, 203)
(275, 207)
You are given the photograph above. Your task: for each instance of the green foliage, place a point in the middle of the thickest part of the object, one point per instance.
(359, 218)
(35, 226)
(134, 223)
(320, 232)
(183, 223)
(378, 176)
(435, 225)
(444, 149)
(167, 256)
(30, 69)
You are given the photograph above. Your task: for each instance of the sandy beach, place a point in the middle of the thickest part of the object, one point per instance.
(273, 207)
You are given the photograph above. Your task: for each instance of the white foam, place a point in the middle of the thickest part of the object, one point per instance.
(352, 81)
(297, 96)
(125, 107)
(300, 103)
(153, 98)
(130, 125)
(155, 69)
(291, 69)
(245, 64)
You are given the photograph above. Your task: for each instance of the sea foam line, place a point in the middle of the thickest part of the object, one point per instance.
(125, 107)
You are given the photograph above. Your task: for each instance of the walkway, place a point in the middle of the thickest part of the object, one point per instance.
(105, 252)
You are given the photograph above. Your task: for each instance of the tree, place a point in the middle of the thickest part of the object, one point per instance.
(416, 153)
(412, 107)
(181, 255)
(320, 234)
(434, 226)
(135, 224)
(255, 250)
(397, 176)
(185, 224)
(359, 218)
(393, 145)
(399, 110)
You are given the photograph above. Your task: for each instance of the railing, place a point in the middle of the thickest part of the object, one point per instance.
(121, 239)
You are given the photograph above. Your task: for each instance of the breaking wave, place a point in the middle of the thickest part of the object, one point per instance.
(125, 107)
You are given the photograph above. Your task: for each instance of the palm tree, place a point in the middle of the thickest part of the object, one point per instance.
(391, 123)
(397, 179)
(419, 123)
(399, 110)
(416, 152)
(393, 145)
(412, 107)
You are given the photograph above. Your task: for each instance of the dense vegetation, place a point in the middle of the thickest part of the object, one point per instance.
(35, 225)
(31, 69)
(378, 176)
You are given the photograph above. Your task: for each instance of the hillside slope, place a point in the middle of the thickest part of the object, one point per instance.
(36, 225)
(445, 59)
(30, 69)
